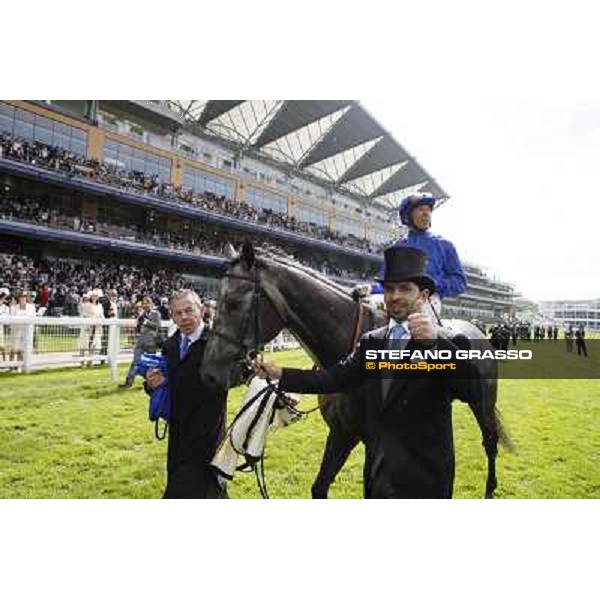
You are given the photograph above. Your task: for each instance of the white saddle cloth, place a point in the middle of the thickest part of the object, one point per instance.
(247, 435)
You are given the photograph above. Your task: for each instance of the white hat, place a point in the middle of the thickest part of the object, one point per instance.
(97, 292)
(4, 291)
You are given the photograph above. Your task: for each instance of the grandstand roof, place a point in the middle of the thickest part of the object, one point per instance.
(335, 141)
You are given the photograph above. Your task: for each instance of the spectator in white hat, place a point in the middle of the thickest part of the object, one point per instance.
(90, 336)
(22, 308)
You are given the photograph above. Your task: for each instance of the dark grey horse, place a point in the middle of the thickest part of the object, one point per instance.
(262, 293)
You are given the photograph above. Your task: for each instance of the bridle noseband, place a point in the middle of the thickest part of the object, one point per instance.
(249, 351)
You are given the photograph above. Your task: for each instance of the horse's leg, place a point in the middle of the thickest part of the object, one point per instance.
(483, 409)
(337, 449)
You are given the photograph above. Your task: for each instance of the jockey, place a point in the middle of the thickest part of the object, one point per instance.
(443, 264)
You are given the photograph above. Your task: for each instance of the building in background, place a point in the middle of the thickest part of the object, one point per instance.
(572, 312)
(486, 298)
(170, 182)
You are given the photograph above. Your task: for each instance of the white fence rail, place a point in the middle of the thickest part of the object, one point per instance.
(29, 343)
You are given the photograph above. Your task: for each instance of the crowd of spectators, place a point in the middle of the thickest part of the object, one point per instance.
(73, 165)
(197, 239)
(60, 286)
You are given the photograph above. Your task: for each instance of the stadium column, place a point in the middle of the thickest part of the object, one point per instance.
(240, 191)
(291, 206)
(177, 172)
(95, 148)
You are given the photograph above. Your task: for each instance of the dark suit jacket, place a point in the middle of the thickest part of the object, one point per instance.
(197, 424)
(408, 434)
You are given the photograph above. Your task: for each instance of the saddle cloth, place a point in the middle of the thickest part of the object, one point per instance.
(247, 433)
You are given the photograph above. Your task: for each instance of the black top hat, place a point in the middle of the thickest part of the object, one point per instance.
(403, 263)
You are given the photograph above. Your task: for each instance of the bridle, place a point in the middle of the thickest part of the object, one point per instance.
(252, 345)
(253, 327)
(249, 352)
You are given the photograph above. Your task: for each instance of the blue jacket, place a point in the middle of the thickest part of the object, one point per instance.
(443, 264)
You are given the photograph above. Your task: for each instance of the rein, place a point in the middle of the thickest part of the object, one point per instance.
(253, 464)
(362, 311)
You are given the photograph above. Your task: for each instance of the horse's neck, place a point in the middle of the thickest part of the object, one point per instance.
(320, 317)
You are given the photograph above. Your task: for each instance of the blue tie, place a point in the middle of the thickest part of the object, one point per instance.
(184, 347)
(397, 332)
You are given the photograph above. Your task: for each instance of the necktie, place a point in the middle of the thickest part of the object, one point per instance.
(184, 347)
(397, 332)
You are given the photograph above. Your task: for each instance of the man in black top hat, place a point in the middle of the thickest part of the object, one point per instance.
(408, 420)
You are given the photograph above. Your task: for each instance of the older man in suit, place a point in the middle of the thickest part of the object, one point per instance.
(198, 413)
(408, 420)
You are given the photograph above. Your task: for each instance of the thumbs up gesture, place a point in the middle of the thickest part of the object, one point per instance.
(421, 327)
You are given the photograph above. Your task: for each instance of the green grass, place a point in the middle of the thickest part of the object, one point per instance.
(72, 433)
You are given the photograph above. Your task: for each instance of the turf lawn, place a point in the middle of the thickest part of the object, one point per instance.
(73, 433)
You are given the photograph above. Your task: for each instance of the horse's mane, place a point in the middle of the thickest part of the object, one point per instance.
(276, 255)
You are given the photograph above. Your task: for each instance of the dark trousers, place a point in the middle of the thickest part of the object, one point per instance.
(191, 481)
(581, 347)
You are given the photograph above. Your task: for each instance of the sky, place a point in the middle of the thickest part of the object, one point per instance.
(522, 178)
(499, 102)
(515, 142)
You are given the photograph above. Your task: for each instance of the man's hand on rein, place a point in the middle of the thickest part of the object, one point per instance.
(265, 369)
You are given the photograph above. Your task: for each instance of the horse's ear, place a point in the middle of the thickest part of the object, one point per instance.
(247, 254)
(230, 252)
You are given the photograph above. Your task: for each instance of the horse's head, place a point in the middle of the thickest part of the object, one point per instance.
(245, 319)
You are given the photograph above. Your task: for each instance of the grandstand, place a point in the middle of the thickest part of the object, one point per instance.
(160, 187)
(486, 298)
(572, 312)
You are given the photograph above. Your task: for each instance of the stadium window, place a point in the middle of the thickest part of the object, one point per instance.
(6, 124)
(200, 182)
(61, 140)
(25, 116)
(350, 226)
(23, 126)
(78, 147)
(261, 199)
(7, 110)
(44, 131)
(309, 214)
(138, 160)
(110, 145)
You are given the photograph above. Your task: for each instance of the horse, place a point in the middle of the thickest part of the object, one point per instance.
(263, 292)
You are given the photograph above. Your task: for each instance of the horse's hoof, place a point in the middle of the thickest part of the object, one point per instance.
(318, 494)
